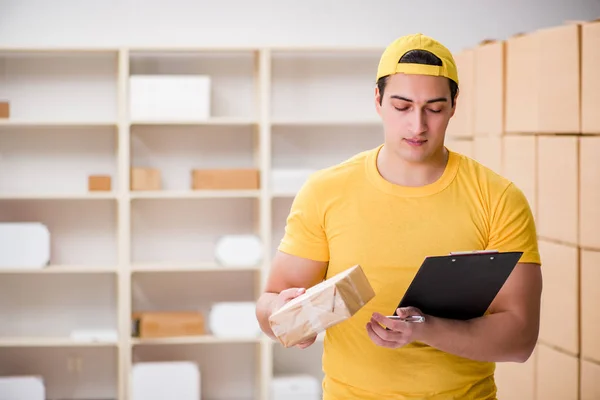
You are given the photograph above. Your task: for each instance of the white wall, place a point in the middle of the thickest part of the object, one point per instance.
(458, 23)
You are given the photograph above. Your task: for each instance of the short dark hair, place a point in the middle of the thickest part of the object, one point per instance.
(419, 57)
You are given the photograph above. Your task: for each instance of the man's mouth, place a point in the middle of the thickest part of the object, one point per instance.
(415, 142)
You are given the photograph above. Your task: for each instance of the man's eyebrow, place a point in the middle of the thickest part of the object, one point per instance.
(436, 100)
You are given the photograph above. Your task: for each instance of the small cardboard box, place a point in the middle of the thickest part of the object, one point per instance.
(322, 306)
(145, 179)
(225, 179)
(461, 125)
(558, 192)
(557, 374)
(559, 319)
(98, 183)
(589, 192)
(519, 164)
(4, 109)
(488, 93)
(167, 324)
(590, 79)
(590, 298)
(543, 81)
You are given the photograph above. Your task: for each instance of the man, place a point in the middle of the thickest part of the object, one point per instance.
(387, 209)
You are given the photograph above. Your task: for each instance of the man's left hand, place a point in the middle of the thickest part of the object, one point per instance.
(399, 333)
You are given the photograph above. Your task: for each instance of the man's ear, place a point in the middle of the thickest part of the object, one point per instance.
(455, 103)
(377, 101)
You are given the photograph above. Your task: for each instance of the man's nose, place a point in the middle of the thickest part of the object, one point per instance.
(419, 123)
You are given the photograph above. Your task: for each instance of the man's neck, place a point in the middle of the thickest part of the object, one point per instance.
(400, 172)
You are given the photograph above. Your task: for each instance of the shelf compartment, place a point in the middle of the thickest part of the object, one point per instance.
(227, 370)
(175, 151)
(299, 361)
(187, 267)
(316, 148)
(187, 291)
(49, 86)
(53, 306)
(56, 162)
(323, 85)
(187, 230)
(195, 194)
(82, 233)
(233, 76)
(204, 339)
(68, 372)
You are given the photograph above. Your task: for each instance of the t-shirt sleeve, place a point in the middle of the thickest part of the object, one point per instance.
(513, 227)
(304, 234)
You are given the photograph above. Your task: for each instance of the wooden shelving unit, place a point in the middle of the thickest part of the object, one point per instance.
(122, 251)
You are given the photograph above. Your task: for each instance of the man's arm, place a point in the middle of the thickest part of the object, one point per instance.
(288, 274)
(508, 333)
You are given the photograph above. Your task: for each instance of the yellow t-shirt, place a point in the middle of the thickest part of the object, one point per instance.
(348, 214)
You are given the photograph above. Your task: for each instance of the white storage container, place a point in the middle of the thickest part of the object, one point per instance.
(24, 245)
(295, 387)
(22, 388)
(166, 381)
(234, 320)
(239, 251)
(169, 97)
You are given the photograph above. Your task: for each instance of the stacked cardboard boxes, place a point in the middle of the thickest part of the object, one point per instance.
(535, 118)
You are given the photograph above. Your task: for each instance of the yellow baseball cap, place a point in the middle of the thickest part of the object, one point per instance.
(389, 62)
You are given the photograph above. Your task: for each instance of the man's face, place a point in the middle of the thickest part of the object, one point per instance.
(415, 111)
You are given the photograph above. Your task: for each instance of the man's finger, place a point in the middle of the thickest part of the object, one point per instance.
(378, 340)
(407, 312)
(291, 293)
(388, 335)
(394, 325)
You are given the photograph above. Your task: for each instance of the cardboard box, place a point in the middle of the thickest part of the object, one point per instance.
(322, 306)
(488, 151)
(590, 380)
(516, 381)
(461, 124)
(519, 164)
(145, 179)
(462, 146)
(488, 94)
(99, 183)
(559, 320)
(224, 179)
(4, 109)
(522, 75)
(589, 192)
(167, 324)
(557, 375)
(590, 300)
(590, 79)
(558, 192)
(543, 81)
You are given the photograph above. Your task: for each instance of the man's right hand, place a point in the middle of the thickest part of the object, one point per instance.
(285, 296)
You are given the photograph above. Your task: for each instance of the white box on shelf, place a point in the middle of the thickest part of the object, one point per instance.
(169, 97)
(22, 388)
(289, 181)
(295, 387)
(24, 245)
(239, 251)
(234, 320)
(166, 380)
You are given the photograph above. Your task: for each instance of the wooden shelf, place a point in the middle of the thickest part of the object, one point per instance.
(189, 267)
(51, 342)
(56, 124)
(61, 269)
(224, 121)
(193, 340)
(195, 194)
(59, 196)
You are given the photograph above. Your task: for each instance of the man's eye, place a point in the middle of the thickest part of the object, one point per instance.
(401, 108)
(435, 111)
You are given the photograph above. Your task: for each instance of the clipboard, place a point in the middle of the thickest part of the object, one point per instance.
(461, 285)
